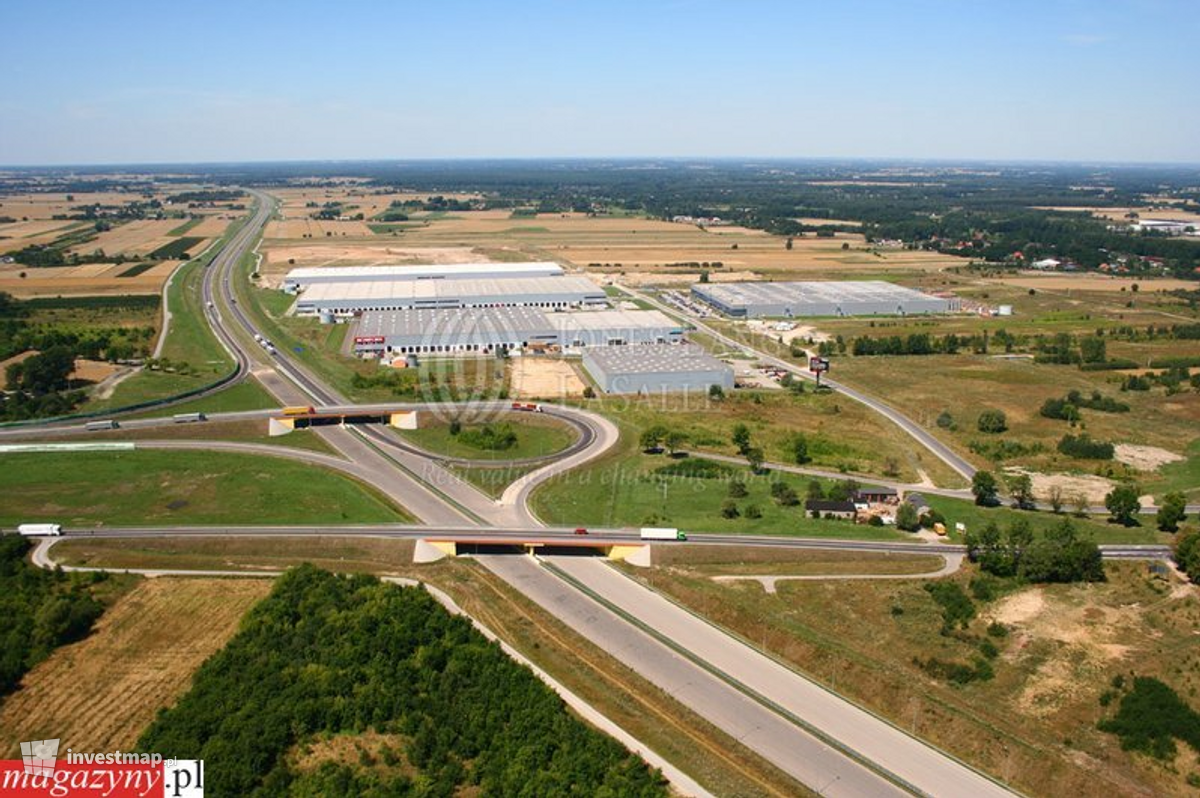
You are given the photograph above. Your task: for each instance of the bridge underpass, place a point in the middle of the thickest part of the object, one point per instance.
(433, 549)
(282, 425)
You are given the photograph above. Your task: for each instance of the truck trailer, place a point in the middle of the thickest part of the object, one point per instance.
(662, 533)
(39, 529)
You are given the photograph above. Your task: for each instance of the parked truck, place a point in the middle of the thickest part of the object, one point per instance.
(662, 533)
(39, 529)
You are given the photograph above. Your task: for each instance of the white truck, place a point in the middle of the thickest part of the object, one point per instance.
(188, 418)
(662, 533)
(96, 426)
(39, 529)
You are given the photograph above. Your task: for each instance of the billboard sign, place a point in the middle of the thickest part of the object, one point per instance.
(818, 364)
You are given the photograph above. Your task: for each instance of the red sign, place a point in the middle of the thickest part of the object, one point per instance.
(818, 364)
(102, 778)
(368, 339)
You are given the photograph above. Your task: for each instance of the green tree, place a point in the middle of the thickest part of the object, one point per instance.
(814, 490)
(784, 495)
(737, 488)
(985, 489)
(1124, 504)
(1021, 488)
(741, 438)
(992, 421)
(729, 509)
(674, 440)
(755, 459)
(800, 450)
(716, 392)
(906, 517)
(1171, 511)
(652, 438)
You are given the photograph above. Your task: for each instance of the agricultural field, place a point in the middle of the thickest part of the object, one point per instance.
(101, 692)
(644, 250)
(1057, 659)
(148, 487)
(92, 279)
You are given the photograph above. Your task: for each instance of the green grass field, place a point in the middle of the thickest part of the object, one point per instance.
(246, 395)
(162, 487)
(536, 436)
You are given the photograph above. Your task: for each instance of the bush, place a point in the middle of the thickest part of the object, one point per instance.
(753, 511)
(992, 421)
(490, 437)
(1151, 717)
(957, 609)
(730, 509)
(997, 629)
(1084, 448)
(988, 649)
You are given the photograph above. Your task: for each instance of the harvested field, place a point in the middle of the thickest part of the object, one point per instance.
(99, 694)
(673, 278)
(316, 228)
(544, 378)
(276, 264)
(1092, 282)
(140, 237)
(211, 226)
(87, 280)
(1119, 214)
(34, 227)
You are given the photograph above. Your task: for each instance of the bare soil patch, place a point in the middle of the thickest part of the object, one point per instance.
(544, 378)
(1144, 458)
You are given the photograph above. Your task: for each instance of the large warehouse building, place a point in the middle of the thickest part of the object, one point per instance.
(350, 298)
(486, 330)
(655, 369)
(834, 298)
(299, 279)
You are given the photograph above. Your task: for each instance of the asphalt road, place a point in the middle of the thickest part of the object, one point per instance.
(907, 759)
(779, 741)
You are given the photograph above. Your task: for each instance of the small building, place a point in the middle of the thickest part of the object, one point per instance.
(655, 368)
(876, 495)
(827, 508)
(916, 500)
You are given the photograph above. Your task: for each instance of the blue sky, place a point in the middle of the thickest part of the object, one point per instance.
(99, 82)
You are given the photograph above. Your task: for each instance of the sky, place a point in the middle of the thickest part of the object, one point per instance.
(94, 82)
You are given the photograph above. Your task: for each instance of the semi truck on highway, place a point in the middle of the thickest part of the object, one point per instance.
(39, 529)
(94, 426)
(188, 418)
(528, 407)
(662, 533)
(298, 410)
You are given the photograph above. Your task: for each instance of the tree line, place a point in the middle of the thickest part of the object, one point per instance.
(326, 654)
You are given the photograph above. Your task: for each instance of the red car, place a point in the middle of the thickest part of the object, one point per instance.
(581, 531)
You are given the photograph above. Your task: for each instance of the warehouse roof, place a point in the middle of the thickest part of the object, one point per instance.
(420, 271)
(465, 289)
(443, 321)
(734, 294)
(653, 359)
(567, 323)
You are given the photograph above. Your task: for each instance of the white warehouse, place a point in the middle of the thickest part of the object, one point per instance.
(301, 278)
(655, 369)
(351, 298)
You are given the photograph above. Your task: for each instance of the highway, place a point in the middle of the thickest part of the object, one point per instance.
(826, 742)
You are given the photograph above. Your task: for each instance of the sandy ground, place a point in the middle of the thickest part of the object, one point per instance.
(93, 370)
(1072, 485)
(277, 257)
(1144, 458)
(1091, 282)
(801, 331)
(1080, 638)
(544, 378)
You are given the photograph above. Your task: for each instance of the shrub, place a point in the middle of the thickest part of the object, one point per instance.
(1084, 448)
(992, 421)
(490, 437)
(957, 609)
(753, 511)
(997, 629)
(1151, 717)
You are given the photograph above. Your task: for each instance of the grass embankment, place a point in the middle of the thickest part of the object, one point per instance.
(1057, 651)
(101, 692)
(163, 487)
(536, 436)
(246, 395)
(758, 561)
(237, 431)
(189, 341)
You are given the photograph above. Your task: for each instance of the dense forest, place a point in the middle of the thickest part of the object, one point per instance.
(39, 610)
(330, 654)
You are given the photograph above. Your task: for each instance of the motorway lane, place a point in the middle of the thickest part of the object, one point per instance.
(914, 430)
(780, 742)
(910, 760)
